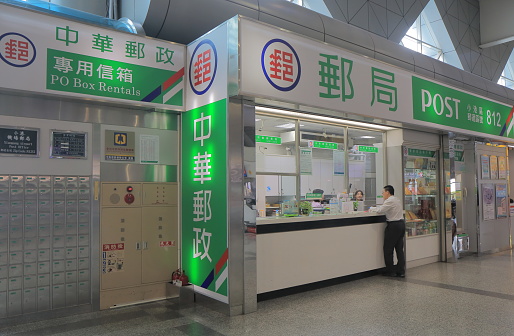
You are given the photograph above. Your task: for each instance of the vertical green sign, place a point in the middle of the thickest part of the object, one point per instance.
(204, 196)
(442, 105)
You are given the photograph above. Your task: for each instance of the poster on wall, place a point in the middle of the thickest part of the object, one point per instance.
(149, 145)
(484, 164)
(306, 161)
(488, 201)
(502, 167)
(338, 159)
(19, 141)
(119, 146)
(493, 162)
(502, 204)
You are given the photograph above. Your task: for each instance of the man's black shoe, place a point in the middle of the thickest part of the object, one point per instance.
(400, 275)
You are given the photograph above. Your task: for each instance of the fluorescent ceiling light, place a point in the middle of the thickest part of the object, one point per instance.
(288, 125)
(367, 137)
(256, 119)
(321, 118)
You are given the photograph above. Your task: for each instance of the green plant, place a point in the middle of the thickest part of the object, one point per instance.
(306, 207)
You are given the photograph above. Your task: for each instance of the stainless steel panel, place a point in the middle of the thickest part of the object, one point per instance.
(71, 205)
(5, 181)
(17, 182)
(45, 218)
(17, 194)
(58, 241)
(31, 194)
(3, 286)
(16, 219)
(71, 276)
(84, 205)
(71, 294)
(31, 220)
(16, 231)
(31, 182)
(30, 231)
(30, 256)
(58, 254)
(128, 172)
(83, 252)
(43, 280)
(83, 240)
(58, 278)
(43, 298)
(30, 243)
(15, 283)
(4, 219)
(72, 182)
(4, 207)
(71, 241)
(59, 205)
(30, 281)
(84, 292)
(3, 304)
(15, 271)
(59, 194)
(72, 193)
(84, 193)
(3, 258)
(3, 245)
(84, 217)
(14, 303)
(15, 257)
(15, 245)
(71, 217)
(30, 269)
(4, 194)
(45, 194)
(83, 275)
(84, 182)
(59, 182)
(58, 296)
(17, 207)
(71, 253)
(4, 271)
(43, 243)
(43, 267)
(45, 206)
(58, 266)
(71, 264)
(45, 182)
(29, 300)
(71, 229)
(83, 263)
(44, 230)
(83, 228)
(59, 218)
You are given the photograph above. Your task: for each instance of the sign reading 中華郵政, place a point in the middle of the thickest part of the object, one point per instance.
(84, 61)
(442, 105)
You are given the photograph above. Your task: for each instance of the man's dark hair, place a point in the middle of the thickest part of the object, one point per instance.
(389, 188)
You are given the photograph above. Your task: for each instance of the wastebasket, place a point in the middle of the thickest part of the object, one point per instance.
(463, 242)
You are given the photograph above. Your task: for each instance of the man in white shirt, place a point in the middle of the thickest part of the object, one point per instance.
(394, 232)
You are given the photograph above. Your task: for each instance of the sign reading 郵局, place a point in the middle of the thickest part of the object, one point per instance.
(19, 141)
(205, 210)
(268, 139)
(442, 105)
(84, 61)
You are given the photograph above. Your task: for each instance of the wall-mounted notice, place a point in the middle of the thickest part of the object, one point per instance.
(488, 201)
(338, 159)
(484, 164)
(68, 145)
(502, 167)
(149, 149)
(18, 141)
(306, 161)
(493, 162)
(502, 204)
(119, 146)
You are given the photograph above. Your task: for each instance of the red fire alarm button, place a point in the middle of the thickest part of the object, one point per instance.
(129, 198)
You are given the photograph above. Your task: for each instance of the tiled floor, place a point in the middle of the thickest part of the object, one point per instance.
(474, 296)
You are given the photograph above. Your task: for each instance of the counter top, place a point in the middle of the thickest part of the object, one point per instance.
(281, 219)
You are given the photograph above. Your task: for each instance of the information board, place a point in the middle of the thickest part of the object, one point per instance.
(68, 145)
(18, 141)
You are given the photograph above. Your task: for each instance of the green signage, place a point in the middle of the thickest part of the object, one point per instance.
(324, 145)
(76, 73)
(313, 195)
(204, 196)
(368, 149)
(421, 152)
(268, 139)
(442, 105)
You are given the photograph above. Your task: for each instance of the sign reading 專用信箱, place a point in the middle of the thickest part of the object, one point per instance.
(19, 141)
(421, 152)
(66, 144)
(321, 144)
(268, 139)
(84, 61)
(119, 146)
(367, 149)
(442, 105)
